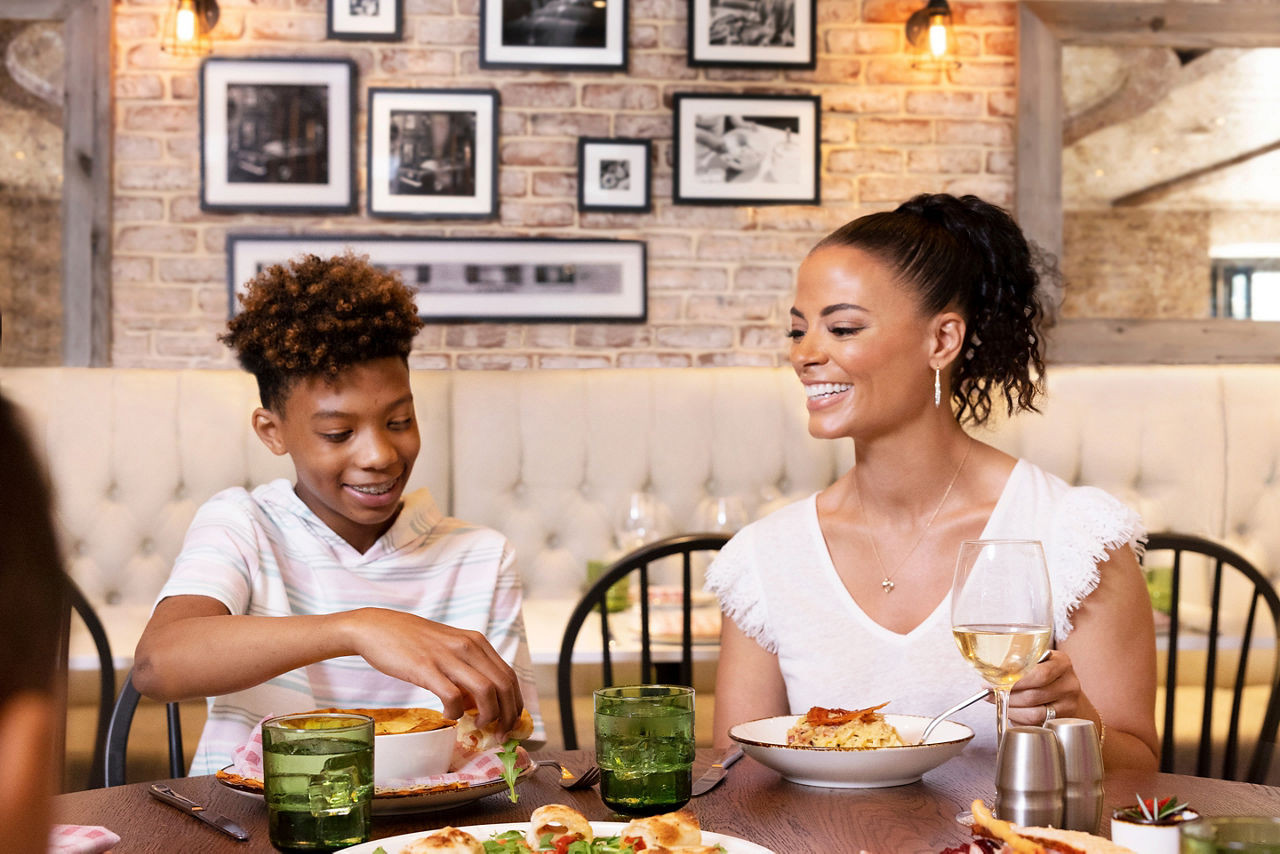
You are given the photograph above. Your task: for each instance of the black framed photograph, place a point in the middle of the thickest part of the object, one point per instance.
(746, 149)
(513, 279)
(560, 34)
(613, 175)
(366, 20)
(753, 33)
(433, 153)
(276, 134)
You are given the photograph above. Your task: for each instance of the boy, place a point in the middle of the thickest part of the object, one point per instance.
(336, 590)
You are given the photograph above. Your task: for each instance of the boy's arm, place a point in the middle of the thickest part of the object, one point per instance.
(193, 647)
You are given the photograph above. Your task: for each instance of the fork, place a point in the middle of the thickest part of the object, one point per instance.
(569, 780)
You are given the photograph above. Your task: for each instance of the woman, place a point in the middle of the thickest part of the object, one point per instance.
(906, 325)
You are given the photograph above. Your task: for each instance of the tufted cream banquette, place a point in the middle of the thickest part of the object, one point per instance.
(548, 457)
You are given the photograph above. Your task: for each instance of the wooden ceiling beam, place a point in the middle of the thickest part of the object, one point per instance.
(1164, 188)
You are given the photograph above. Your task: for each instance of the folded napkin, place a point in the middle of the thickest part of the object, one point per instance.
(80, 839)
(466, 769)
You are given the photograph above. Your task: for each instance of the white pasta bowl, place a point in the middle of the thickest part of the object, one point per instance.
(765, 741)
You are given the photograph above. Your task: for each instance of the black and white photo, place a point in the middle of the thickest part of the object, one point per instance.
(433, 153)
(746, 149)
(562, 34)
(525, 279)
(366, 20)
(613, 175)
(276, 134)
(753, 33)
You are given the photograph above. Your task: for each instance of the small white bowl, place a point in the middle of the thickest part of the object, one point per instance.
(400, 758)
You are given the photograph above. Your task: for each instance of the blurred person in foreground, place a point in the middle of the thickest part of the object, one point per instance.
(907, 326)
(32, 620)
(339, 589)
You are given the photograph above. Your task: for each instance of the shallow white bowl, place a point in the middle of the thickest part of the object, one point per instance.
(765, 741)
(407, 756)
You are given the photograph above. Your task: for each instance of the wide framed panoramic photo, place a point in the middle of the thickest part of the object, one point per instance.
(365, 20)
(277, 135)
(514, 279)
(613, 175)
(753, 33)
(746, 149)
(433, 153)
(563, 34)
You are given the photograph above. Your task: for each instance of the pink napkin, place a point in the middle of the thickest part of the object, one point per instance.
(80, 839)
(246, 761)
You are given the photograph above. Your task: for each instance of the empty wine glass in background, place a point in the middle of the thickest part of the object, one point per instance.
(720, 513)
(644, 519)
(1001, 613)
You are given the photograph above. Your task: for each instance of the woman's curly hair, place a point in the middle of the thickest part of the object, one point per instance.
(970, 256)
(316, 316)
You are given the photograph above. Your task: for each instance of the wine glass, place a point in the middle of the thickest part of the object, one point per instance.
(721, 514)
(644, 519)
(1001, 613)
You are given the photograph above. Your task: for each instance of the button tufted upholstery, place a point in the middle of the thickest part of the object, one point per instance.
(548, 457)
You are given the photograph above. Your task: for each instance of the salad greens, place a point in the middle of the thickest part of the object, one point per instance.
(508, 755)
(513, 842)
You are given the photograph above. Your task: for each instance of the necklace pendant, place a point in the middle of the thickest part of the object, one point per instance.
(887, 585)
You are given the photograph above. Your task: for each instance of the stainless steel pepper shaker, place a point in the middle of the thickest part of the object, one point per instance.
(1082, 773)
(1030, 777)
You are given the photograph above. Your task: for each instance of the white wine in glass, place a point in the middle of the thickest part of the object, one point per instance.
(1001, 613)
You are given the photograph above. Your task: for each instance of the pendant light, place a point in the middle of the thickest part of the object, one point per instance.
(931, 39)
(187, 27)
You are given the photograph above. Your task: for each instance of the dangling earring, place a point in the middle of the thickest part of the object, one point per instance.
(937, 387)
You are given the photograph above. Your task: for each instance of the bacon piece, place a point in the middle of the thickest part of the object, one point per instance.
(818, 716)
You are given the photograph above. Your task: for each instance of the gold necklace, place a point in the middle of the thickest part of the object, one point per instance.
(887, 583)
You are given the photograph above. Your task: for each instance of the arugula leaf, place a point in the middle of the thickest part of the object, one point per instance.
(508, 755)
(379, 850)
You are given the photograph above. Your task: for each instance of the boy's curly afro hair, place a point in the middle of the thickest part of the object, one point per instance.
(316, 316)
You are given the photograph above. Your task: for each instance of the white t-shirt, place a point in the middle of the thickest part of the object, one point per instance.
(775, 580)
(265, 553)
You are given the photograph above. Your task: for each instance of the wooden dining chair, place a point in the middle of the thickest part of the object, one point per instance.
(117, 740)
(80, 604)
(685, 546)
(1252, 594)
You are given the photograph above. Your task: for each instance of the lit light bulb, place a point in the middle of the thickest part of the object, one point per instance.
(937, 37)
(185, 25)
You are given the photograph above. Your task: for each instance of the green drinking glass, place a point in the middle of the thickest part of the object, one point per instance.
(1231, 833)
(318, 780)
(644, 747)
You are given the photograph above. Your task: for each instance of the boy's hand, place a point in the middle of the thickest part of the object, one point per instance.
(458, 666)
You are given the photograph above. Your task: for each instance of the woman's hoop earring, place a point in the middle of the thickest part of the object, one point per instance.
(937, 387)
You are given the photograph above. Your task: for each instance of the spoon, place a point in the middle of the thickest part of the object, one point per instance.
(964, 704)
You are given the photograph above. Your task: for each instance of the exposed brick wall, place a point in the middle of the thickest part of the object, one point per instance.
(1136, 263)
(719, 277)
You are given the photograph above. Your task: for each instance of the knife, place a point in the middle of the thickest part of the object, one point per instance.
(221, 822)
(713, 775)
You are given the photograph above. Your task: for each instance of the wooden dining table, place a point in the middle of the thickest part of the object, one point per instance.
(753, 803)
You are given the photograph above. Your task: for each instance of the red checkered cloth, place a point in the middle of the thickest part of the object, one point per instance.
(472, 769)
(80, 839)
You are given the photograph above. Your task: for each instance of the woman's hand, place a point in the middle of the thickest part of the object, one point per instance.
(459, 666)
(1052, 682)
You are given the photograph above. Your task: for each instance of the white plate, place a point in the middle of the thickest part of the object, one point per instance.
(765, 741)
(731, 844)
(389, 803)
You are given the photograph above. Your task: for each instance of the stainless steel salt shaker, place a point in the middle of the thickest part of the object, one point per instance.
(1082, 772)
(1030, 777)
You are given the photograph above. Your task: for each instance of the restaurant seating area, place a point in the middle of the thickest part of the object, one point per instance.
(1191, 448)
